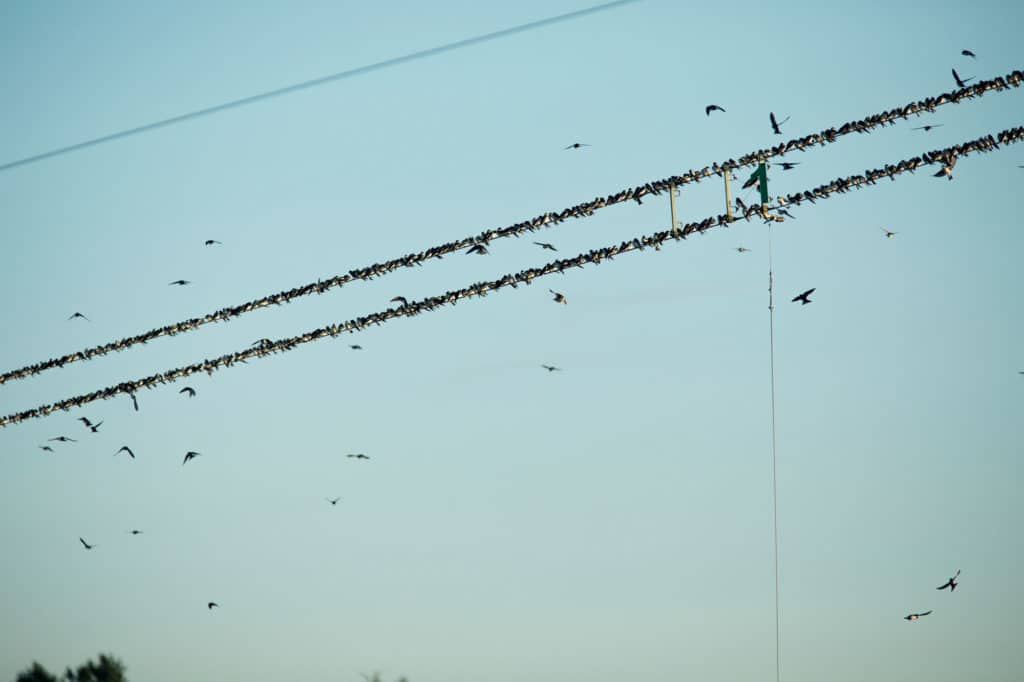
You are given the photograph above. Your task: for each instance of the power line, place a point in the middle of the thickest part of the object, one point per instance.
(323, 80)
(582, 210)
(595, 256)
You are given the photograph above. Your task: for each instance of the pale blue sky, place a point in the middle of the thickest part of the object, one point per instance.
(613, 519)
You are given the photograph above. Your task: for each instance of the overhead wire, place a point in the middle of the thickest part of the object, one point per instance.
(545, 220)
(480, 289)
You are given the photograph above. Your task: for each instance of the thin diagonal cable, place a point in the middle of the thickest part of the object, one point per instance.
(595, 256)
(582, 210)
(775, 486)
(289, 89)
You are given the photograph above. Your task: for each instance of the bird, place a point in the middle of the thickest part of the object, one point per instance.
(357, 455)
(46, 448)
(125, 448)
(577, 145)
(334, 501)
(95, 428)
(189, 391)
(189, 455)
(85, 544)
(968, 53)
(135, 531)
(888, 233)
(803, 298)
(915, 616)
(64, 439)
(400, 299)
(775, 123)
(81, 316)
(951, 583)
(210, 605)
(742, 249)
(712, 107)
(478, 248)
(355, 346)
(552, 368)
(788, 165)
(211, 242)
(546, 246)
(559, 298)
(135, 403)
(179, 282)
(961, 82)
(947, 168)
(928, 127)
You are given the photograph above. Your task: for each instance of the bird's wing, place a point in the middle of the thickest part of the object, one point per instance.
(771, 115)
(924, 614)
(808, 292)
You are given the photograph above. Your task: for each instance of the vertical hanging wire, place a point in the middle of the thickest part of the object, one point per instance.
(775, 503)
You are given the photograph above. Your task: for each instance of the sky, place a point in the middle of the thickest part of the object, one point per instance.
(610, 519)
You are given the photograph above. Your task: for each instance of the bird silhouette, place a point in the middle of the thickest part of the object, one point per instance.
(961, 82)
(81, 316)
(357, 455)
(888, 233)
(210, 605)
(125, 448)
(85, 544)
(928, 127)
(577, 145)
(85, 420)
(712, 107)
(46, 448)
(334, 501)
(968, 53)
(400, 299)
(189, 391)
(95, 428)
(355, 346)
(951, 583)
(211, 242)
(179, 282)
(190, 455)
(915, 616)
(478, 248)
(559, 298)
(134, 531)
(546, 246)
(788, 165)
(742, 249)
(552, 368)
(64, 439)
(776, 123)
(803, 298)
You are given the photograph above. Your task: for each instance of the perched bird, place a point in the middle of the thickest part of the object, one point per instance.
(775, 123)
(260, 342)
(125, 448)
(888, 233)
(552, 368)
(400, 299)
(135, 403)
(133, 531)
(211, 242)
(189, 455)
(46, 448)
(712, 107)
(478, 248)
(334, 501)
(189, 391)
(577, 145)
(546, 246)
(968, 53)
(788, 165)
(803, 298)
(95, 428)
(355, 346)
(559, 298)
(915, 616)
(928, 127)
(742, 249)
(961, 82)
(951, 583)
(81, 316)
(211, 604)
(179, 282)
(64, 439)
(358, 455)
(85, 544)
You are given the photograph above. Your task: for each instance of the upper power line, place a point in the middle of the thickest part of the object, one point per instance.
(289, 89)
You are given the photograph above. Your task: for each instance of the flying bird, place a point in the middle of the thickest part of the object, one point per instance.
(915, 616)
(211, 604)
(888, 233)
(928, 127)
(951, 583)
(125, 448)
(179, 282)
(788, 165)
(478, 248)
(552, 368)
(961, 82)
(65, 439)
(400, 299)
(81, 316)
(577, 145)
(712, 107)
(46, 448)
(95, 428)
(968, 53)
(947, 168)
(775, 123)
(211, 242)
(133, 531)
(85, 544)
(742, 249)
(189, 455)
(189, 391)
(358, 455)
(334, 501)
(559, 298)
(803, 298)
(546, 246)
(355, 346)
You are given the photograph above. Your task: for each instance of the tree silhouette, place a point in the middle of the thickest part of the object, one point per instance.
(36, 673)
(106, 669)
